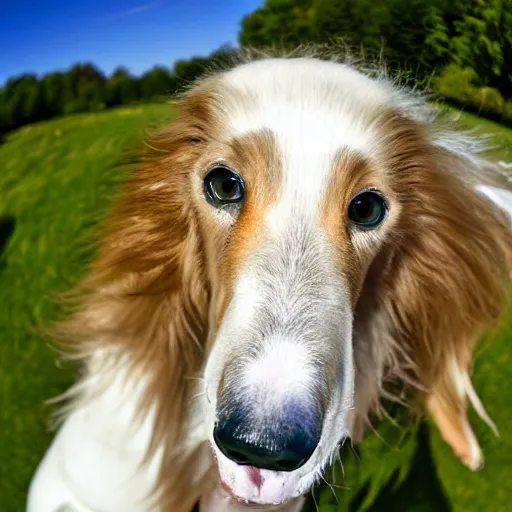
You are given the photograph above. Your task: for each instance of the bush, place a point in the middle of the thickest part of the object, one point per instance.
(460, 86)
(96, 106)
(507, 110)
(489, 100)
(76, 106)
(456, 83)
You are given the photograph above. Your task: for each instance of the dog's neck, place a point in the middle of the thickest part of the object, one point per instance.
(98, 460)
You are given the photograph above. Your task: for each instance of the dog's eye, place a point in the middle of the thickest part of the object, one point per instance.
(367, 210)
(223, 186)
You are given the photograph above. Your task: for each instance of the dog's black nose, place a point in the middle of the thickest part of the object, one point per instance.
(280, 443)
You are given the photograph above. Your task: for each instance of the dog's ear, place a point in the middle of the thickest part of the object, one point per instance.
(448, 283)
(144, 303)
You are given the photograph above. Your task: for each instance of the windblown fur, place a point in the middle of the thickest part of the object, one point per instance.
(149, 305)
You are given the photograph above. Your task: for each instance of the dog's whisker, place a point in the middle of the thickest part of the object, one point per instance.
(317, 507)
(354, 451)
(331, 487)
(338, 456)
(197, 395)
(200, 379)
(341, 487)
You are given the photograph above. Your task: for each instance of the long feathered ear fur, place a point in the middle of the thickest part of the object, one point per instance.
(438, 284)
(144, 303)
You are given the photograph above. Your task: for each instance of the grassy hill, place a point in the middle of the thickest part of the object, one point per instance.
(56, 180)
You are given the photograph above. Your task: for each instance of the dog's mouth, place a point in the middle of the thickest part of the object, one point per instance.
(255, 487)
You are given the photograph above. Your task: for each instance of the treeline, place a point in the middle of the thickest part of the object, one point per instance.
(465, 46)
(84, 88)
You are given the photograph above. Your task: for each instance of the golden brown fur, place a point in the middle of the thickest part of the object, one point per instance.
(444, 277)
(147, 293)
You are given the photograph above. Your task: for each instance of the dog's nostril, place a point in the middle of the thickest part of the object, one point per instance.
(288, 465)
(238, 457)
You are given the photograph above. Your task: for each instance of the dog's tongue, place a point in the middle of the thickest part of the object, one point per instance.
(255, 476)
(253, 485)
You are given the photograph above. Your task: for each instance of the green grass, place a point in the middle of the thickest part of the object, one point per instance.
(56, 180)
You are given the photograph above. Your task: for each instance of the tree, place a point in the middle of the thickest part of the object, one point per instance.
(416, 35)
(86, 87)
(158, 83)
(186, 71)
(345, 19)
(424, 36)
(23, 100)
(55, 93)
(122, 88)
(282, 23)
(483, 41)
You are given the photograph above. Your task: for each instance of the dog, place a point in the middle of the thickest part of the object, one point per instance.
(306, 239)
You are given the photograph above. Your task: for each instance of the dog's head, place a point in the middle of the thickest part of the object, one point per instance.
(296, 210)
(306, 234)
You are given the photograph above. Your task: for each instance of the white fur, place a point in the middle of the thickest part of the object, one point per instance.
(278, 367)
(464, 388)
(96, 460)
(329, 116)
(500, 197)
(220, 501)
(314, 109)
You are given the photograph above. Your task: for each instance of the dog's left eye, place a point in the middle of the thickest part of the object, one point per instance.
(224, 186)
(367, 210)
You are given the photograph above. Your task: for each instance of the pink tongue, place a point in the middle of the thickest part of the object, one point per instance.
(254, 476)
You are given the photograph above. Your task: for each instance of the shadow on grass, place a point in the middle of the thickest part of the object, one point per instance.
(7, 225)
(420, 492)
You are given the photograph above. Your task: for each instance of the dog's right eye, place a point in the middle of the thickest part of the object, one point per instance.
(224, 186)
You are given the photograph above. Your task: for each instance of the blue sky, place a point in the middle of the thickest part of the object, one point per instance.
(47, 35)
